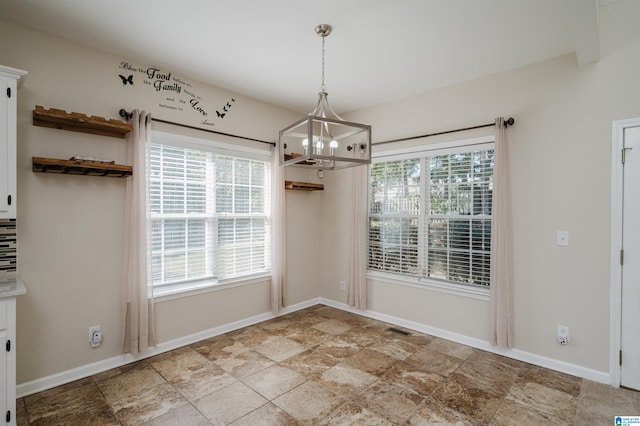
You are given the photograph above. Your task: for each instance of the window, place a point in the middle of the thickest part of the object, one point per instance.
(209, 216)
(430, 215)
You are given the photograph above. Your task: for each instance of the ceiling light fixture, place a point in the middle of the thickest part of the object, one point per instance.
(323, 140)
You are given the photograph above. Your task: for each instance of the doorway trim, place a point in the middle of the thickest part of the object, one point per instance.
(615, 287)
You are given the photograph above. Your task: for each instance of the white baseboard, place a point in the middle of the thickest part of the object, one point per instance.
(520, 355)
(44, 383)
(68, 376)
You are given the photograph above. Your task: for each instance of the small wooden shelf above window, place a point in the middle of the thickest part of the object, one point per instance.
(288, 157)
(80, 167)
(303, 186)
(77, 122)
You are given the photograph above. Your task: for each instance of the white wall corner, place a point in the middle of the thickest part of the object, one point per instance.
(584, 21)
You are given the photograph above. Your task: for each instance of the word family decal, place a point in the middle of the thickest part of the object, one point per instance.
(176, 93)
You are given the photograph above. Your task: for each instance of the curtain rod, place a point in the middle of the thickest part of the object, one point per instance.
(508, 122)
(128, 115)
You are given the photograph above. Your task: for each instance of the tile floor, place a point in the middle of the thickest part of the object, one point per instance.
(325, 366)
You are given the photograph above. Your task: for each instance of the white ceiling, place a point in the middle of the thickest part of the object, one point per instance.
(379, 50)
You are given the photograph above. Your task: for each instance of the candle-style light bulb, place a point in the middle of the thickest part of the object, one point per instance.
(333, 145)
(305, 145)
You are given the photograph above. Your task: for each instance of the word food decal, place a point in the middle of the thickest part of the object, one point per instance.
(177, 94)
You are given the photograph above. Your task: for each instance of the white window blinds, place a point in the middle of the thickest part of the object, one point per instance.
(209, 217)
(242, 224)
(459, 217)
(394, 215)
(430, 216)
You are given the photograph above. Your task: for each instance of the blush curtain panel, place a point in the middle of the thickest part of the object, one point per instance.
(501, 245)
(278, 236)
(137, 293)
(357, 293)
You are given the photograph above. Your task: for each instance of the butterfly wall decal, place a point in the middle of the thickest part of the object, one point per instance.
(126, 80)
(225, 108)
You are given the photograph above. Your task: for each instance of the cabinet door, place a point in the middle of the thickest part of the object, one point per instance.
(4, 391)
(8, 96)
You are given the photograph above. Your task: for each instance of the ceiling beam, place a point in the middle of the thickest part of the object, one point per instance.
(584, 20)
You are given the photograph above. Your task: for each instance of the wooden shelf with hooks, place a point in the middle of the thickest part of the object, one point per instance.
(80, 167)
(77, 122)
(303, 186)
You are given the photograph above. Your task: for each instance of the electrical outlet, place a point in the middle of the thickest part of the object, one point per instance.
(562, 334)
(95, 336)
(343, 285)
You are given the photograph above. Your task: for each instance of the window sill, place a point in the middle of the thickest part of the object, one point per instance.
(205, 286)
(428, 284)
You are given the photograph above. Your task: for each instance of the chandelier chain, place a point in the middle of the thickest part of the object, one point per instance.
(322, 86)
(327, 142)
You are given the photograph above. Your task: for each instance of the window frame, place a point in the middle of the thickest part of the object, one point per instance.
(190, 287)
(430, 150)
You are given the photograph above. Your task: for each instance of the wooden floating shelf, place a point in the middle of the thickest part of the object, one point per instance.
(77, 122)
(80, 167)
(288, 157)
(291, 156)
(303, 186)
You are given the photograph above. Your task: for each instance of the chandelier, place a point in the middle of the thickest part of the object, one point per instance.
(322, 140)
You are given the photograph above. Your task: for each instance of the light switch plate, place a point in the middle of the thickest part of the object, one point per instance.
(562, 238)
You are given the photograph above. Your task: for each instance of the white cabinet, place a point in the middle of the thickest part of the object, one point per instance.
(8, 292)
(9, 78)
(5, 387)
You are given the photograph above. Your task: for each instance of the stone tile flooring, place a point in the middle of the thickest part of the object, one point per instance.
(325, 366)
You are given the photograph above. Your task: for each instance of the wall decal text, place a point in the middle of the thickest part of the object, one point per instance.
(177, 94)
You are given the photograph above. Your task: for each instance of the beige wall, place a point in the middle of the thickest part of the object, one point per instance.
(560, 153)
(70, 227)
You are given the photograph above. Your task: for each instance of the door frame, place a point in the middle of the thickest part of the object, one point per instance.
(615, 288)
